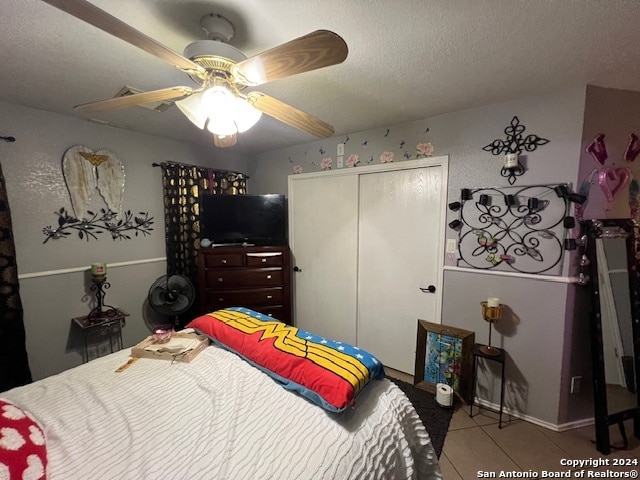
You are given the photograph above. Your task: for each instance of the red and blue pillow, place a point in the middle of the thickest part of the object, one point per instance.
(327, 372)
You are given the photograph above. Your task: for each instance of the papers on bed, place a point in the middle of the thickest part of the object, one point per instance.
(182, 347)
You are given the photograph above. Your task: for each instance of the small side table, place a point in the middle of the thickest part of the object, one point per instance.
(100, 325)
(500, 358)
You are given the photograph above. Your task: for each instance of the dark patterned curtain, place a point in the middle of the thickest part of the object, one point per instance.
(14, 363)
(182, 186)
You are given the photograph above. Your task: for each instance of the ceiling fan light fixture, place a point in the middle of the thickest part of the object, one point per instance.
(223, 126)
(224, 140)
(227, 114)
(193, 109)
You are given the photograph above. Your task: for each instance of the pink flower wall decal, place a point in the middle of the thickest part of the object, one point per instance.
(325, 164)
(386, 157)
(297, 169)
(352, 160)
(424, 149)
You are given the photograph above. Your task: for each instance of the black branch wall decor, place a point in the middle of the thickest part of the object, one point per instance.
(105, 221)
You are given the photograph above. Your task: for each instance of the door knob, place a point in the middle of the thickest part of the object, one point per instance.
(429, 289)
(297, 269)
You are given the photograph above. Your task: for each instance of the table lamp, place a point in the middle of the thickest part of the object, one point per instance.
(491, 312)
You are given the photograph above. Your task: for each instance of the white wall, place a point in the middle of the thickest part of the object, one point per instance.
(36, 190)
(534, 332)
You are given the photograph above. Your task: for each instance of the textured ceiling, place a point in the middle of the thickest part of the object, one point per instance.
(408, 59)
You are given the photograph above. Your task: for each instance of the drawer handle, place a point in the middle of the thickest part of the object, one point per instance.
(220, 279)
(269, 297)
(221, 299)
(268, 277)
(264, 260)
(223, 261)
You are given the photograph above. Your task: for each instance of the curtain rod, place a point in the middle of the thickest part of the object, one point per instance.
(156, 164)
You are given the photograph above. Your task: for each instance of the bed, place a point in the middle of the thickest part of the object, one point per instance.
(220, 416)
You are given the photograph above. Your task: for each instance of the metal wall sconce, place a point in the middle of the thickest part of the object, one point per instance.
(509, 200)
(466, 194)
(576, 198)
(569, 222)
(484, 199)
(512, 167)
(455, 224)
(561, 190)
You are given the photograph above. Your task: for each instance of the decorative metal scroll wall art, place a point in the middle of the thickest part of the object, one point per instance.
(518, 229)
(515, 143)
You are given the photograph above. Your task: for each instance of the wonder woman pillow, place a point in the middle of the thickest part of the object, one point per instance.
(327, 372)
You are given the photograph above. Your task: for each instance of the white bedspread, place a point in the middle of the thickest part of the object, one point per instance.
(217, 418)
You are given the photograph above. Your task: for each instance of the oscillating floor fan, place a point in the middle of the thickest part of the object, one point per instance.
(171, 295)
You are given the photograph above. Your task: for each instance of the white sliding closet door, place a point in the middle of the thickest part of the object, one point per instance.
(323, 235)
(399, 249)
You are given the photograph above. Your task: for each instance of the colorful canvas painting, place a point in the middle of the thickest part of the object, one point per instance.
(444, 355)
(442, 359)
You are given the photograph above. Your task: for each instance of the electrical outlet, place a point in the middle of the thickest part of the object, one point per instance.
(451, 245)
(340, 149)
(340, 162)
(575, 384)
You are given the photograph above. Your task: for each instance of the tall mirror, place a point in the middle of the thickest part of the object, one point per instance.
(612, 249)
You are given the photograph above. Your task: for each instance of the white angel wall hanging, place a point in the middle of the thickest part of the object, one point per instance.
(85, 174)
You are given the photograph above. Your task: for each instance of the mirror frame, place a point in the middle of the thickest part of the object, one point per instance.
(591, 230)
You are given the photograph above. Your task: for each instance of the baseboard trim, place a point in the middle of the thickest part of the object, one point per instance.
(536, 421)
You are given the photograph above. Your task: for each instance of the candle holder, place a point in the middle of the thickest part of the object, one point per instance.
(491, 314)
(99, 286)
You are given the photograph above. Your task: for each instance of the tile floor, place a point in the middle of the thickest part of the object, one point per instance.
(476, 445)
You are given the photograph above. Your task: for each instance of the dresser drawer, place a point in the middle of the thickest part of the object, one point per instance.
(232, 278)
(216, 300)
(264, 259)
(277, 312)
(224, 260)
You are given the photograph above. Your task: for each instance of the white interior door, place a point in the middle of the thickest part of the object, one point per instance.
(323, 233)
(400, 253)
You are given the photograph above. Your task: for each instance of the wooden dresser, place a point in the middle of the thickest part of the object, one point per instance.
(255, 277)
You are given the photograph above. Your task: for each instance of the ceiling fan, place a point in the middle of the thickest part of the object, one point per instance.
(222, 72)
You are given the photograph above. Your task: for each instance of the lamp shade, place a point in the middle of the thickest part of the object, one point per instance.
(220, 111)
(193, 109)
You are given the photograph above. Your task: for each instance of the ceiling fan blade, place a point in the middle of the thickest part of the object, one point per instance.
(318, 49)
(91, 14)
(290, 115)
(135, 99)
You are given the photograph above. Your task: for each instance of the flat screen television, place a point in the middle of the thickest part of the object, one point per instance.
(244, 219)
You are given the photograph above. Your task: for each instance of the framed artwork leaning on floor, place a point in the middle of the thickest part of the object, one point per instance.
(444, 354)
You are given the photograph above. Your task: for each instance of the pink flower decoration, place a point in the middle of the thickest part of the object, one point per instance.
(297, 169)
(353, 160)
(424, 149)
(325, 164)
(386, 157)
